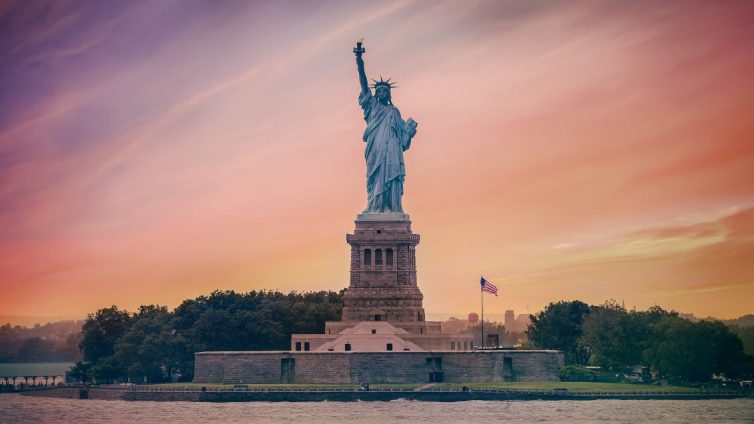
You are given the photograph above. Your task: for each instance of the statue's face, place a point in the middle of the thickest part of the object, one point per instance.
(382, 94)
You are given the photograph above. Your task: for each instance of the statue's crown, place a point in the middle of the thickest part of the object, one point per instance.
(383, 83)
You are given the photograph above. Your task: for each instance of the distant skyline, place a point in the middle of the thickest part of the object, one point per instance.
(155, 151)
(31, 321)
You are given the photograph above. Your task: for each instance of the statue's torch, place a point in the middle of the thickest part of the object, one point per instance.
(359, 50)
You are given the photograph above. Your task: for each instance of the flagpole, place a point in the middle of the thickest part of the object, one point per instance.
(481, 294)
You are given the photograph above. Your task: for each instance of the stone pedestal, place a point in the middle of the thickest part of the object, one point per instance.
(383, 272)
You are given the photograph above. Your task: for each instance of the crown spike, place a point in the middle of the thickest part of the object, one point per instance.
(385, 83)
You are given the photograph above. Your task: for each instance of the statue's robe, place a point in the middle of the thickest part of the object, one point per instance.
(387, 137)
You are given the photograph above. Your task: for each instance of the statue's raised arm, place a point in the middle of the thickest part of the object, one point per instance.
(387, 136)
(358, 51)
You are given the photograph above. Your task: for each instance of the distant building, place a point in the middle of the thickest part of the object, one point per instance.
(516, 324)
(510, 320)
(689, 317)
(522, 322)
(455, 325)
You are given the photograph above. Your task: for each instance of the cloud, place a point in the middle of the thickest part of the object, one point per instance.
(682, 262)
(191, 145)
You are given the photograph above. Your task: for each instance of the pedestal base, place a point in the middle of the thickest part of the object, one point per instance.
(383, 270)
(382, 216)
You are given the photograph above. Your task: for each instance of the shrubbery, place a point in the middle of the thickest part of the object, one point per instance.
(617, 340)
(577, 373)
(156, 345)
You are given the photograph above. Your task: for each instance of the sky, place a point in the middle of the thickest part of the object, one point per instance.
(155, 151)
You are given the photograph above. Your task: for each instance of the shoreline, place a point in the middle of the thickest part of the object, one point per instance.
(345, 395)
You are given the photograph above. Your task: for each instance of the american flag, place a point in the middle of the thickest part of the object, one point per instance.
(488, 287)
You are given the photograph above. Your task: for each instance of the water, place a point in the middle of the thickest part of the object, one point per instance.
(17, 408)
(23, 369)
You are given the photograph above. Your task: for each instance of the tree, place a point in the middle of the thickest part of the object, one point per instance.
(63, 336)
(212, 331)
(257, 320)
(36, 349)
(158, 345)
(108, 370)
(687, 351)
(82, 371)
(151, 349)
(101, 330)
(10, 342)
(730, 359)
(746, 334)
(617, 338)
(69, 349)
(558, 326)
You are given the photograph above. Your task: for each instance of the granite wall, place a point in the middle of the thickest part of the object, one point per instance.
(376, 367)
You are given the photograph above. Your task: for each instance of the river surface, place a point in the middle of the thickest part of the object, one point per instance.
(16, 408)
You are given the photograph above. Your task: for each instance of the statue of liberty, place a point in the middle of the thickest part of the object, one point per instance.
(387, 136)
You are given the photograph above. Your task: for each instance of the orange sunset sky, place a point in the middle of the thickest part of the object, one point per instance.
(153, 151)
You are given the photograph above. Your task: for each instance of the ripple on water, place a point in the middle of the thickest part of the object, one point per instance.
(16, 408)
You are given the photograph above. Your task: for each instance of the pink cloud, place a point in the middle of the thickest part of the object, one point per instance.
(226, 152)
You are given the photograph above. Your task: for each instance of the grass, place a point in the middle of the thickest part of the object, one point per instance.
(572, 386)
(254, 386)
(534, 385)
(285, 386)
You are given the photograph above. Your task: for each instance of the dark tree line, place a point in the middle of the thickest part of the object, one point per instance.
(157, 345)
(744, 329)
(53, 342)
(613, 338)
(746, 334)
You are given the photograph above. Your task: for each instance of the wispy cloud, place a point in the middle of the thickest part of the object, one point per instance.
(573, 149)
